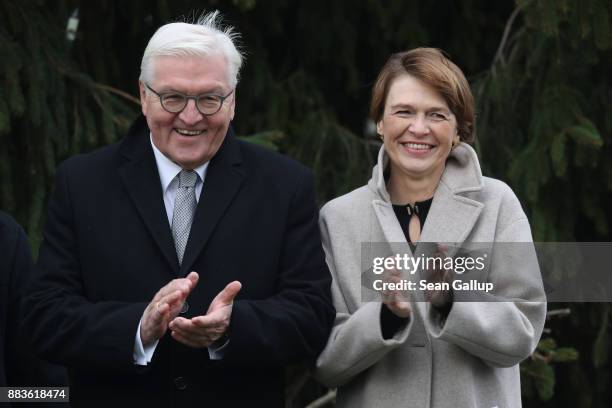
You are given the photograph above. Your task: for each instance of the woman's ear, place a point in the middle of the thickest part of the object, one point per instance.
(456, 140)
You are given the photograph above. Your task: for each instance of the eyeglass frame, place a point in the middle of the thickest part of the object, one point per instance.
(196, 99)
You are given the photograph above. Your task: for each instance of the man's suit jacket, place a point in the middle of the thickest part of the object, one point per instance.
(108, 249)
(19, 365)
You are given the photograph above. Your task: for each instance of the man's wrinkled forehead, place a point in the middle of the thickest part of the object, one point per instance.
(210, 71)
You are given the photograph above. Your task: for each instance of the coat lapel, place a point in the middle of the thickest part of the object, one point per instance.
(141, 179)
(391, 228)
(383, 209)
(387, 221)
(453, 213)
(451, 217)
(223, 181)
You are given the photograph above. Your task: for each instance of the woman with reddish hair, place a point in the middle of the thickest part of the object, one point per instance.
(429, 348)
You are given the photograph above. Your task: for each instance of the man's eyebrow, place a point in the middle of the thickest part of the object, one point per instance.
(214, 91)
(164, 89)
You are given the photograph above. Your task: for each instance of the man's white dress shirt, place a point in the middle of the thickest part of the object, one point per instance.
(168, 172)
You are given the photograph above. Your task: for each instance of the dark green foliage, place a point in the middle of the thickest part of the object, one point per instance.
(543, 116)
(544, 126)
(49, 109)
(539, 70)
(537, 373)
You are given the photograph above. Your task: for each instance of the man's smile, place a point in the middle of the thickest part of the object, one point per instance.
(187, 132)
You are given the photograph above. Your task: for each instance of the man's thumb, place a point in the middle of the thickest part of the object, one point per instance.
(228, 294)
(193, 277)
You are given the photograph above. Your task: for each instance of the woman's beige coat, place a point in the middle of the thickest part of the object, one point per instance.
(470, 359)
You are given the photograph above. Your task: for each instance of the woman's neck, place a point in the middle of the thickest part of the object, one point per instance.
(404, 189)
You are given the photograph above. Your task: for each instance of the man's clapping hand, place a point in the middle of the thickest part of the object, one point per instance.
(164, 307)
(202, 331)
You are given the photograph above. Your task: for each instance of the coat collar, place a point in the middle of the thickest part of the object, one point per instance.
(452, 214)
(141, 179)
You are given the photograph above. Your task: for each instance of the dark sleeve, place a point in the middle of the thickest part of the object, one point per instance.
(390, 323)
(23, 367)
(294, 324)
(64, 325)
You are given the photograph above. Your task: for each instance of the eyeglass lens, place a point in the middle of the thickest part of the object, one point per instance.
(207, 104)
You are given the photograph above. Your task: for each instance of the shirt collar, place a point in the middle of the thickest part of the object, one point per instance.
(168, 169)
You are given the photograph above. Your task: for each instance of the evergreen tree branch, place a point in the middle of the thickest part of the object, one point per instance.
(118, 92)
(499, 54)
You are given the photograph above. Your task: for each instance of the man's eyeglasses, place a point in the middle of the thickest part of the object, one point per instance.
(174, 102)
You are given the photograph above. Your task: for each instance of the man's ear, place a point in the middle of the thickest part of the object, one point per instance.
(232, 106)
(143, 97)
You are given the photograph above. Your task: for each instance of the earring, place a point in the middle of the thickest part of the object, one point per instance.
(455, 142)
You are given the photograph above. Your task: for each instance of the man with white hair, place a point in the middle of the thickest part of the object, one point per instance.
(182, 265)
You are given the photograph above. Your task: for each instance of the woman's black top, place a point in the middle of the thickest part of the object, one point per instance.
(404, 212)
(390, 323)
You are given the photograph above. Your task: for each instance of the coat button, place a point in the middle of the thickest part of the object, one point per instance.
(185, 308)
(180, 383)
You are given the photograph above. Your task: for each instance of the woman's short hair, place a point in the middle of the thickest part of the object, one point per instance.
(433, 68)
(204, 37)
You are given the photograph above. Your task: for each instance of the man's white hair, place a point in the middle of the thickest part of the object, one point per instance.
(203, 38)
